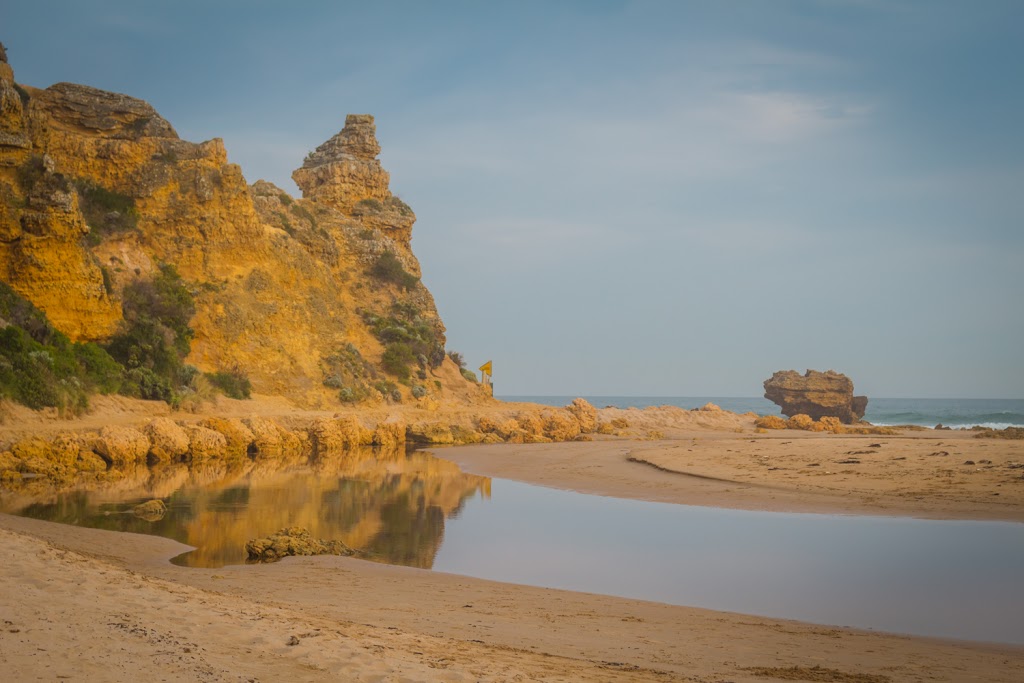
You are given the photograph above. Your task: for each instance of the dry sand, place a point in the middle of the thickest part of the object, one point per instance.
(85, 604)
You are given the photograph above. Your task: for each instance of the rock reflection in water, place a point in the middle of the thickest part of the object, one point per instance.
(390, 504)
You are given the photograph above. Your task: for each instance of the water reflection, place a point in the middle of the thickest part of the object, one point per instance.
(391, 504)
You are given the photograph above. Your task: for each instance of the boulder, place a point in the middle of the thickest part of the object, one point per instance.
(389, 433)
(168, 441)
(438, 433)
(815, 394)
(122, 445)
(770, 422)
(339, 433)
(292, 541)
(560, 425)
(151, 511)
(800, 421)
(271, 439)
(204, 443)
(585, 414)
(238, 436)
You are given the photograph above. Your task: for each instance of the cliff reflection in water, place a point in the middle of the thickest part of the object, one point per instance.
(390, 504)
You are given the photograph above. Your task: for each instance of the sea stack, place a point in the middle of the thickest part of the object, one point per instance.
(817, 394)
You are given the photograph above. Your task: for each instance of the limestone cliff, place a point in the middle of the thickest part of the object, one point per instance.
(97, 190)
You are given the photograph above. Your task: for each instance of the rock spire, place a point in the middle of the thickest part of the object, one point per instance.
(344, 173)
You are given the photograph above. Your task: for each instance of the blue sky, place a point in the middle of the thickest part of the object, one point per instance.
(639, 198)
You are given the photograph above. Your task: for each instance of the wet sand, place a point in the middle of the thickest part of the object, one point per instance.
(98, 605)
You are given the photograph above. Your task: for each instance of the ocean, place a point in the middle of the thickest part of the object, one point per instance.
(997, 413)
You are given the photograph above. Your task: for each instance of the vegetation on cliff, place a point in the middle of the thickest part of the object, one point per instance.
(154, 337)
(41, 368)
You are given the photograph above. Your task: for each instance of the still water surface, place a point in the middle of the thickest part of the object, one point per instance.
(938, 578)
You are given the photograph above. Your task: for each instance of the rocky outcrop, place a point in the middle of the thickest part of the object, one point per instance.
(283, 287)
(13, 134)
(344, 173)
(585, 414)
(815, 394)
(292, 541)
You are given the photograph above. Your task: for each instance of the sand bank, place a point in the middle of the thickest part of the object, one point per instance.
(929, 474)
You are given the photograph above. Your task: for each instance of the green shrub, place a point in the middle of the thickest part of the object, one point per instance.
(41, 376)
(41, 368)
(389, 390)
(396, 360)
(232, 383)
(103, 374)
(389, 269)
(20, 312)
(365, 206)
(347, 370)
(140, 382)
(400, 206)
(407, 339)
(470, 375)
(285, 223)
(457, 359)
(139, 124)
(303, 212)
(352, 394)
(285, 199)
(155, 336)
(106, 212)
(30, 173)
(419, 391)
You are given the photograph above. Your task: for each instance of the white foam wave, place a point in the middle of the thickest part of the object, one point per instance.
(965, 425)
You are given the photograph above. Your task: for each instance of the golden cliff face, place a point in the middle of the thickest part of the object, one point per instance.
(283, 286)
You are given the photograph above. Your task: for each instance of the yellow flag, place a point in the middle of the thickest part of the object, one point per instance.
(486, 367)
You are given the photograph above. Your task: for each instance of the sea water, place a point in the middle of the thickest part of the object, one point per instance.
(997, 413)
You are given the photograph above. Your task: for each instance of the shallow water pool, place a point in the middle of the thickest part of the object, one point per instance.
(937, 578)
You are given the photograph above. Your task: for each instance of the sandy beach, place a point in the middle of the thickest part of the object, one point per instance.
(86, 604)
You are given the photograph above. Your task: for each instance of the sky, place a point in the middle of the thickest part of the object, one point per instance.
(630, 197)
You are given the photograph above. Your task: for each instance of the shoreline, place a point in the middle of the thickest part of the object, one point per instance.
(770, 473)
(125, 603)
